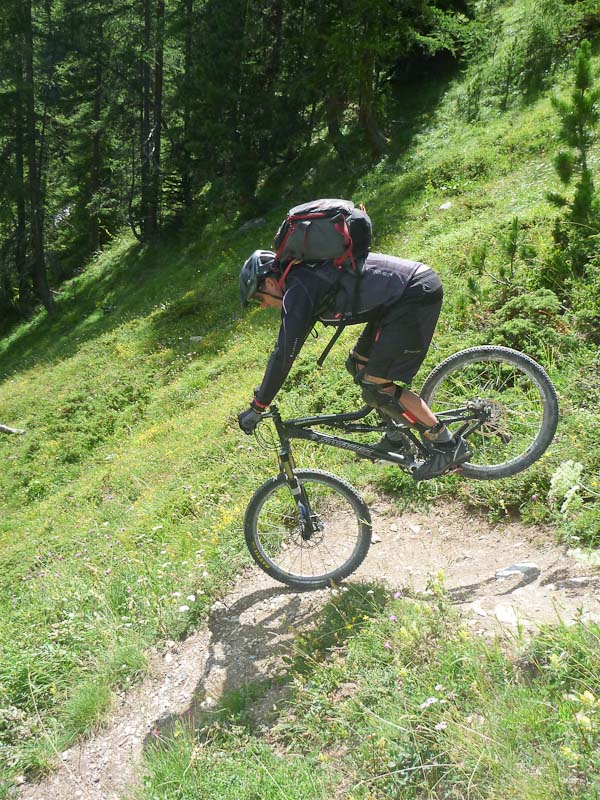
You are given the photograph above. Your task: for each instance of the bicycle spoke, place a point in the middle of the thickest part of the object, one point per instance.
(334, 540)
(510, 395)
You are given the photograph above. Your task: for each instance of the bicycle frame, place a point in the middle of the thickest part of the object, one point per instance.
(471, 417)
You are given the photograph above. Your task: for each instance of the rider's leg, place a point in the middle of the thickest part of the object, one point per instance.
(445, 450)
(395, 348)
(411, 323)
(409, 401)
(355, 364)
(359, 355)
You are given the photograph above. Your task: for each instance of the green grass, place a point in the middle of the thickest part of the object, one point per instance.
(234, 768)
(398, 699)
(124, 499)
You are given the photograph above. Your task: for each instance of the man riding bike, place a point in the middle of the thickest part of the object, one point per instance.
(399, 301)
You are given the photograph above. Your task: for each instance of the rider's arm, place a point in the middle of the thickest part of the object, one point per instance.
(297, 317)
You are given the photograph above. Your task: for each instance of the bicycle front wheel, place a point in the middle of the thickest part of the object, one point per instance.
(274, 530)
(521, 402)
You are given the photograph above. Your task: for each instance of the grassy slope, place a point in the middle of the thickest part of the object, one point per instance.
(126, 495)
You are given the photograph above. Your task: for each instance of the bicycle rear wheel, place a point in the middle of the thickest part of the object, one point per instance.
(273, 530)
(522, 403)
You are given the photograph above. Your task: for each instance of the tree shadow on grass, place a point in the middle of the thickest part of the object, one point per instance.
(136, 284)
(180, 287)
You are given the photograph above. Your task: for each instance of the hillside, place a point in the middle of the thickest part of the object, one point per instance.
(124, 498)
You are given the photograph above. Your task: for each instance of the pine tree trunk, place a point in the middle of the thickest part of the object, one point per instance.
(366, 114)
(277, 34)
(156, 135)
(145, 131)
(368, 123)
(334, 107)
(96, 166)
(23, 276)
(186, 167)
(40, 277)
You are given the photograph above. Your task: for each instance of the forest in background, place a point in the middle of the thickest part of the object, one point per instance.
(129, 113)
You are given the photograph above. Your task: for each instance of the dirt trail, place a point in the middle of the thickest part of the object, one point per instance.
(249, 632)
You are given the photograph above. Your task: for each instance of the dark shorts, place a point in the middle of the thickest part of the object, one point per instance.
(397, 342)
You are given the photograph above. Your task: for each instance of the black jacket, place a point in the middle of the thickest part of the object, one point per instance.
(333, 296)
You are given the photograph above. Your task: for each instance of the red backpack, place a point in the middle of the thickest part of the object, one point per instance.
(324, 230)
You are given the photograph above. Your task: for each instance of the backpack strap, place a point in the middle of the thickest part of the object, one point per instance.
(347, 255)
(291, 227)
(338, 332)
(284, 274)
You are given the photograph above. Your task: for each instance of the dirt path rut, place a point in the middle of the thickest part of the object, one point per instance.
(504, 577)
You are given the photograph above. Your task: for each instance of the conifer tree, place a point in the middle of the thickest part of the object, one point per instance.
(576, 231)
(114, 112)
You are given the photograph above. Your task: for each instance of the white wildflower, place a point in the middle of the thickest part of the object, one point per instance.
(565, 479)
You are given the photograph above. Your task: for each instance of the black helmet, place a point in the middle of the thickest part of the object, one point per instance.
(257, 267)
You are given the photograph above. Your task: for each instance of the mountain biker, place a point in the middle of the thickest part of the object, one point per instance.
(399, 300)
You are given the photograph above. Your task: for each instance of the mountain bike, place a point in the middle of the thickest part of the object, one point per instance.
(309, 529)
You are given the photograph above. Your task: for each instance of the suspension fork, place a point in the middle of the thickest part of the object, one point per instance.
(287, 466)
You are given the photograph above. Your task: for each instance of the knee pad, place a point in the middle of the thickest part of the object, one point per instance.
(353, 366)
(374, 395)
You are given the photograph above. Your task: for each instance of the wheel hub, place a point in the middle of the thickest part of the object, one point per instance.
(496, 424)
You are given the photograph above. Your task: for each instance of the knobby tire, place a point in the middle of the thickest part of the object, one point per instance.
(522, 396)
(272, 531)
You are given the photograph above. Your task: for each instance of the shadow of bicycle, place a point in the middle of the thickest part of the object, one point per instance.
(248, 642)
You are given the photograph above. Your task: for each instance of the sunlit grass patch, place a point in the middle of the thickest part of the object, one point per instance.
(405, 701)
(227, 766)
(85, 708)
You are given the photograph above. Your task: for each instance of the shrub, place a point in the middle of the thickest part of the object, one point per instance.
(577, 230)
(513, 61)
(530, 322)
(585, 299)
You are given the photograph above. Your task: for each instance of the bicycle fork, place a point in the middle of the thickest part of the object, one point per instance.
(309, 520)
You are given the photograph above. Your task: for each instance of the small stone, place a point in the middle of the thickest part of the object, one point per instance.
(506, 615)
(414, 528)
(446, 206)
(393, 527)
(589, 616)
(523, 568)
(477, 609)
(591, 558)
(375, 538)
(575, 583)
